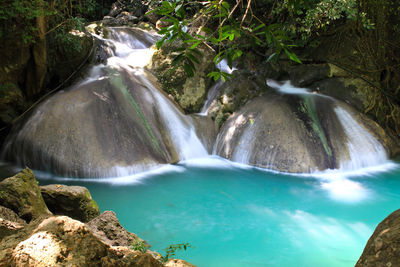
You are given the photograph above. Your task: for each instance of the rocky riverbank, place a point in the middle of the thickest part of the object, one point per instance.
(58, 225)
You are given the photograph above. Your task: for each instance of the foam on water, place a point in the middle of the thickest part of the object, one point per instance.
(118, 180)
(287, 88)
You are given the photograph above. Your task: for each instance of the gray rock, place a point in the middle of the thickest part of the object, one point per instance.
(383, 246)
(292, 133)
(73, 201)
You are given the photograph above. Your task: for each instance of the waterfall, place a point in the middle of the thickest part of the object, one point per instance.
(364, 150)
(180, 127)
(115, 122)
(131, 52)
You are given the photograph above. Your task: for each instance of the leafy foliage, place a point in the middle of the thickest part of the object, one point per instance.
(231, 36)
(312, 16)
(171, 250)
(232, 30)
(21, 15)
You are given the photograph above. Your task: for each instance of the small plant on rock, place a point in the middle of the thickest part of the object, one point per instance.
(171, 250)
(139, 245)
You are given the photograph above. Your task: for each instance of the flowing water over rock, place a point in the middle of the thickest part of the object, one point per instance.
(117, 121)
(113, 123)
(295, 130)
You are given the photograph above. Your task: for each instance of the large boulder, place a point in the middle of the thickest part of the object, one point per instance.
(73, 201)
(300, 133)
(115, 122)
(107, 228)
(383, 246)
(21, 193)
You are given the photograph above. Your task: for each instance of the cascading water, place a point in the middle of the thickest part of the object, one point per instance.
(363, 149)
(114, 122)
(292, 129)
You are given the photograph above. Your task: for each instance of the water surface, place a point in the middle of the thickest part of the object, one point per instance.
(241, 216)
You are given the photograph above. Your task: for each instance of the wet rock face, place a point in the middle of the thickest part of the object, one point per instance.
(383, 246)
(21, 193)
(300, 133)
(73, 201)
(277, 132)
(93, 130)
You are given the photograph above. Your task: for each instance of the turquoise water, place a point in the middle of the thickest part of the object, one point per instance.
(237, 216)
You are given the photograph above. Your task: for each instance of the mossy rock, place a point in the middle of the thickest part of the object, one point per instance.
(188, 92)
(73, 201)
(21, 193)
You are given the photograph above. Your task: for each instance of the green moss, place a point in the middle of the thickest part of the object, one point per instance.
(308, 107)
(117, 82)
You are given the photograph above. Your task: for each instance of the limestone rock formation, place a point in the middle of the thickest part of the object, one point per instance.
(383, 246)
(73, 201)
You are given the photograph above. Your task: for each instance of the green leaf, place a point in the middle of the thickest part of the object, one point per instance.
(178, 59)
(214, 75)
(225, 5)
(195, 45)
(188, 69)
(258, 27)
(196, 51)
(292, 56)
(192, 58)
(178, 7)
(160, 42)
(238, 53)
(268, 37)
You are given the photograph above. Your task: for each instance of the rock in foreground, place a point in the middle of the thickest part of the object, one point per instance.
(50, 240)
(73, 201)
(383, 246)
(21, 193)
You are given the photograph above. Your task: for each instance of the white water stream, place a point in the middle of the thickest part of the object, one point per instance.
(134, 55)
